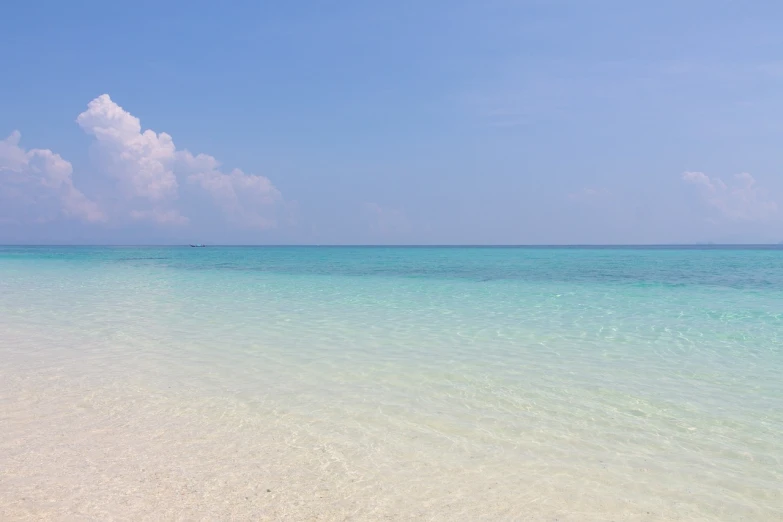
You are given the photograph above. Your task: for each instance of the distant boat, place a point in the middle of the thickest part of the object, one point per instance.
(198, 245)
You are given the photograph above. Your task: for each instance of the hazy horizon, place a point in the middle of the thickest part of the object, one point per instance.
(401, 245)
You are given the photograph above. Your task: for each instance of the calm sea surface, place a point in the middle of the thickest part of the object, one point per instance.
(578, 383)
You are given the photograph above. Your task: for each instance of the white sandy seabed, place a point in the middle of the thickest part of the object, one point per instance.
(84, 439)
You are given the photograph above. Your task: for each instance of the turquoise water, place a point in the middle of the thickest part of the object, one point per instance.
(562, 381)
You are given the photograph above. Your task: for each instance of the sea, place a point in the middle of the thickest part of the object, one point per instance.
(391, 383)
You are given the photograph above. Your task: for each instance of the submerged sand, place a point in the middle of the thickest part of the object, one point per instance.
(72, 451)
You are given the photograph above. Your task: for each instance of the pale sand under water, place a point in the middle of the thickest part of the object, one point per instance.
(70, 451)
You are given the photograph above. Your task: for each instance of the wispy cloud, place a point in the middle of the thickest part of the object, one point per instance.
(385, 221)
(167, 217)
(524, 92)
(588, 194)
(740, 200)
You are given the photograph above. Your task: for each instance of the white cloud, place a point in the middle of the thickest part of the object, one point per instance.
(148, 165)
(12, 157)
(153, 179)
(140, 160)
(246, 199)
(40, 173)
(743, 200)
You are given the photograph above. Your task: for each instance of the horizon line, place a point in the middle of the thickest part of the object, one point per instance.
(398, 245)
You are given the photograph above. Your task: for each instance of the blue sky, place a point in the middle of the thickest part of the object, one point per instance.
(510, 122)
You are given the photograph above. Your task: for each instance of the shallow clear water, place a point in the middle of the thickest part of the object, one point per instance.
(574, 382)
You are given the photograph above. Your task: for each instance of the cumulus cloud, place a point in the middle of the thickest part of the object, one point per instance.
(246, 199)
(588, 194)
(39, 174)
(742, 200)
(12, 157)
(149, 179)
(148, 166)
(141, 161)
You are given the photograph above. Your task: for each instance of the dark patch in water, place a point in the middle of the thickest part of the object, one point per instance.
(141, 258)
